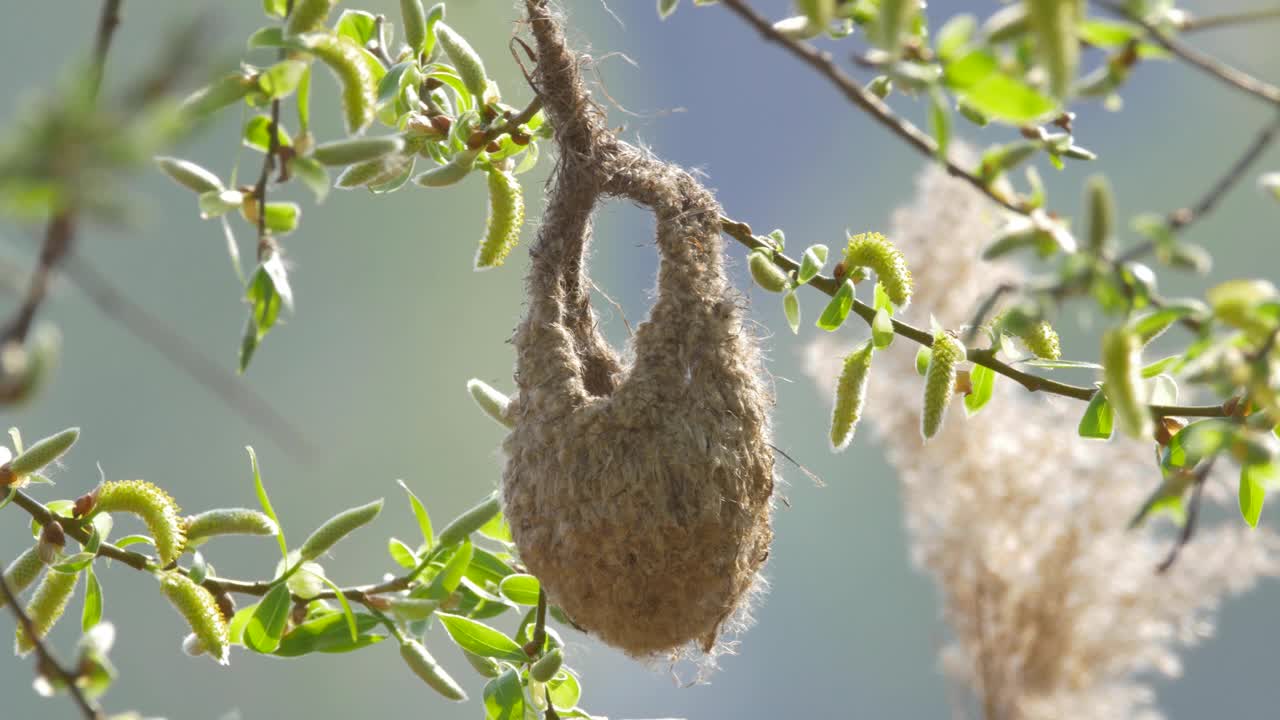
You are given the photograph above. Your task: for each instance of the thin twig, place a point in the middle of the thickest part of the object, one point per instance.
(48, 663)
(1225, 20)
(164, 339)
(1207, 64)
(1182, 218)
(862, 98)
(1193, 513)
(59, 235)
(1035, 383)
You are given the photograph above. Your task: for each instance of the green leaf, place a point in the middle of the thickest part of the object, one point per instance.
(358, 25)
(953, 36)
(265, 626)
(235, 628)
(275, 8)
(402, 554)
(92, 613)
(329, 634)
(791, 308)
(1253, 491)
(565, 690)
(480, 639)
(939, 121)
(487, 568)
(219, 202)
(882, 329)
(838, 309)
(1195, 442)
(282, 79)
(420, 512)
(352, 626)
(666, 7)
(497, 529)
(1062, 364)
(265, 502)
(446, 581)
(257, 134)
(881, 299)
(1107, 33)
(811, 263)
(980, 82)
(1097, 421)
(983, 381)
(504, 697)
(520, 589)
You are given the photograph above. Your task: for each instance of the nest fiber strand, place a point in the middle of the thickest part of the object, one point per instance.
(640, 495)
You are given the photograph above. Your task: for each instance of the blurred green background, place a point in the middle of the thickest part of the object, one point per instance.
(391, 323)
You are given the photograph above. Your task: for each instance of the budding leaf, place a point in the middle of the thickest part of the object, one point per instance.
(420, 513)
(1253, 492)
(504, 697)
(838, 309)
(520, 589)
(92, 613)
(983, 382)
(811, 263)
(1097, 421)
(791, 308)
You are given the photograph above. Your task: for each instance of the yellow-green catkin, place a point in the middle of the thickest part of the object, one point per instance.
(359, 89)
(452, 172)
(506, 217)
(468, 522)
(22, 572)
(1122, 381)
(464, 59)
(940, 381)
(426, 667)
(1054, 24)
(415, 24)
(547, 666)
(874, 251)
(154, 507)
(851, 392)
(1042, 340)
(47, 605)
(199, 608)
(766, 274)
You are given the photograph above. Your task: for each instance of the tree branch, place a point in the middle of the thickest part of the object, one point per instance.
(47, 662)
(1214, 22)
(1034, 383)
(1207, 64)
(860, 97)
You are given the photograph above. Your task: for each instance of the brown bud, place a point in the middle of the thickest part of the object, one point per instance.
(226, 604)
(299, 613)
(1064, 120)
(7, 476)
(1167, 428)
(493, 146)
(432, 83)
(442, 122)
(520, 138)
(476, 140)
(839, 271)
(488, 114)
(52, 540)
(964, 385)
(85, 503)
(377, 602)
(1031, 132)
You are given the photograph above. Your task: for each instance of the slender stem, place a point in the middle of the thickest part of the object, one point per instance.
(1214, 22)
(1034, 383)
(1207, 64)
(539, 637)
(265, 243)
(513, 124)
(1182, 218)
(862, 98)
(59, 235)
(48, 663)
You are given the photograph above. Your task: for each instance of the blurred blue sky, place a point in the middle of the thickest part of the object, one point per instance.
(391, 322)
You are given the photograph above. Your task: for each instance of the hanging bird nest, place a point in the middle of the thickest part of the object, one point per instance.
(638, 494)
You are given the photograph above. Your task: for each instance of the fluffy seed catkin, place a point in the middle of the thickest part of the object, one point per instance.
(640, 495)
(154, 507)
(940, 381)
(874, 250)
(506, 217)
(46, 607)
(851, 392)
(199, 608)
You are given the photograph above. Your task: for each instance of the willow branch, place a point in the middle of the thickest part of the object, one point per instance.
(987, 358)
(1204, 62)
(862, 98)
(48, 663)
(1226, 20)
